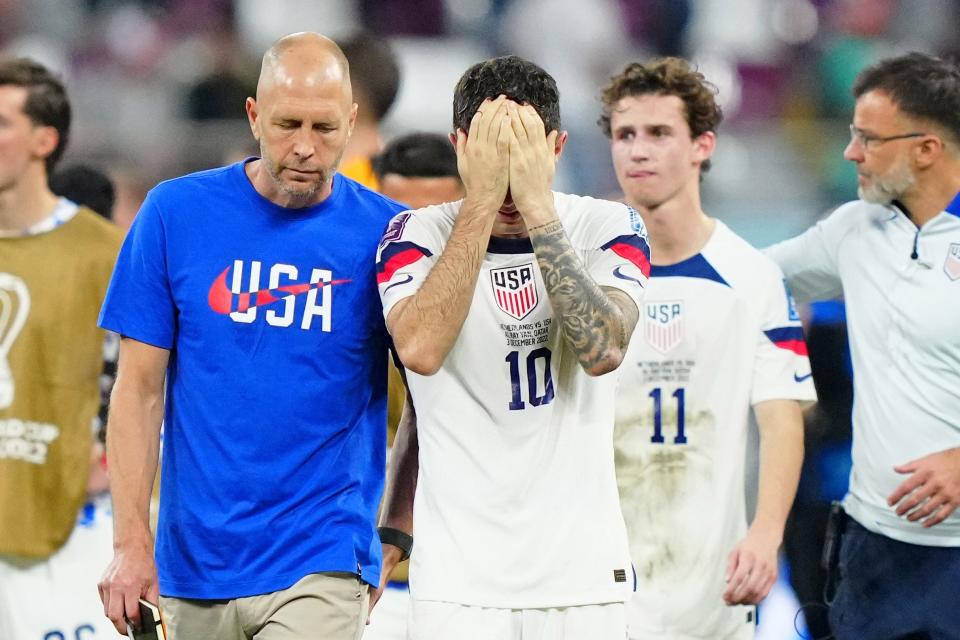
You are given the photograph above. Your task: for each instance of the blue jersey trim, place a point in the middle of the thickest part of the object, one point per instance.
(827, 312)
(509, 245)
(695, 267)
(954, 207)
(784, 334)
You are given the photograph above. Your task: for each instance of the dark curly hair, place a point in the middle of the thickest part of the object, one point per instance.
(520, 80)
(922, 86)
(666, 77)
(46, 105)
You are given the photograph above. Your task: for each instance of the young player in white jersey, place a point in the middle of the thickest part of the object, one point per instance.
(718, 336)
(510, 310)
(895, 256)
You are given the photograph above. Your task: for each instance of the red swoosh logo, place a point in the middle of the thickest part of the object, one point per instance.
(220, 297)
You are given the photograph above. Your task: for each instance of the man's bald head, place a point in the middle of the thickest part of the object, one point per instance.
(303, 116)
(303, 60)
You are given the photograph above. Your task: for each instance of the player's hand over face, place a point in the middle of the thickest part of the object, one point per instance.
(752, 567)
(533, 162)
(931, 491)
(131, 575)
(483, 155)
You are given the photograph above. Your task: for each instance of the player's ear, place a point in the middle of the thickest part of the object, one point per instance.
(453, 139)
(703, 146)
(928, 151)
(352, 120)
(559, 143)
(253, 117)
(45, 140)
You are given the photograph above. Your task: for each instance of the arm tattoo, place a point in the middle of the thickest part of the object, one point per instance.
(593, 325)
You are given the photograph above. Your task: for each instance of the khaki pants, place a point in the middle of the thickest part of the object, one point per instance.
(332, 606)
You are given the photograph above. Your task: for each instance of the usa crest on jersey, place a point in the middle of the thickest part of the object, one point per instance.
(952, 265)
(515, 290)
(663, 324)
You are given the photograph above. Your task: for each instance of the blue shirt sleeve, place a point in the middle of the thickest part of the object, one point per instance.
(139, 303)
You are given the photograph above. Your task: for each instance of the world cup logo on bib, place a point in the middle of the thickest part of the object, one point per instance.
(663, 324)
(952, 266)
(515, 290)
(14, 307)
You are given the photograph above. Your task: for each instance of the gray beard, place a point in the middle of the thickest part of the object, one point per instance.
(889, 189)
(299, 195)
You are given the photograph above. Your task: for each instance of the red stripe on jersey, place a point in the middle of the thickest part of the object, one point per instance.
(799, 347)
(635, 255)
(398, 261)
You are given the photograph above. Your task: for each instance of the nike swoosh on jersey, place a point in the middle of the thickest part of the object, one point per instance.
(619, 274)
(633, 248)
(407, 278)
(220, 297)
(797, 378)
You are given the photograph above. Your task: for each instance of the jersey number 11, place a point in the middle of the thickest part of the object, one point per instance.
(657, 437)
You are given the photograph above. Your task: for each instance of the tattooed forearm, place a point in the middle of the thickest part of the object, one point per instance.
(593, 325)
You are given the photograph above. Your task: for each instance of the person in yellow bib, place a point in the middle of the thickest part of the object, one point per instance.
(56, 258)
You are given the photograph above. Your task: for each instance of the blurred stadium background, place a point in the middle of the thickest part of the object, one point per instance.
(158, 86)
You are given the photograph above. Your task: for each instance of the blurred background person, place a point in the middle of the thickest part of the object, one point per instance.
(418, 170)
(375, 76)
(86, 185)
(55, 263)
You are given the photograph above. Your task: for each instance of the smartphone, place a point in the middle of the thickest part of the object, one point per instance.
(830, 560)
(836, 525)
(151, 625)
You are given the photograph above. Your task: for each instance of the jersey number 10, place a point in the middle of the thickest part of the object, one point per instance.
(657, 437)
(533, 387)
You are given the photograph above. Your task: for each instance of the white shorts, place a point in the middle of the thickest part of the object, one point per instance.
(718, 622)
(431, 620)
(389, 618)
(57, 598)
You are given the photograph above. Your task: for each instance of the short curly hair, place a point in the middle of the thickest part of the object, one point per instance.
(520, 80)
(666, 77)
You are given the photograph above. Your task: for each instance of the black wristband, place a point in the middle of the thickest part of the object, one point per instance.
(397, 538)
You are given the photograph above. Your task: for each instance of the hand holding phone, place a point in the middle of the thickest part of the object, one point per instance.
(151, 624)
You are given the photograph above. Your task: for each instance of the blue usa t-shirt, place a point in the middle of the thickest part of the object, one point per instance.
(274, 424)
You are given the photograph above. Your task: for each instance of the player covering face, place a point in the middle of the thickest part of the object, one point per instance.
(511, 309)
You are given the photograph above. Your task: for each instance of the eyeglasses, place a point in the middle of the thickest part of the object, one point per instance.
(865, 140)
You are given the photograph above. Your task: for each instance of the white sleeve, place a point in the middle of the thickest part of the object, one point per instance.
(781, 368)
(406, 254)
(809, 261)
(619, 255)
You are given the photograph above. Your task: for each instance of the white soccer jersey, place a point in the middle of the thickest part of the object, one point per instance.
(717, 334)
(516, 503)
(902, 291)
